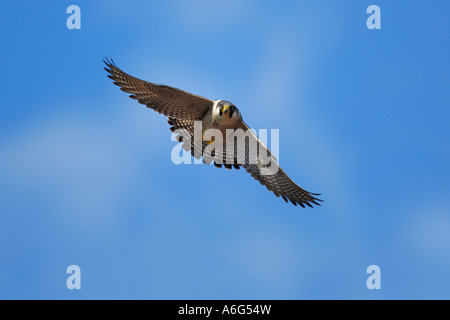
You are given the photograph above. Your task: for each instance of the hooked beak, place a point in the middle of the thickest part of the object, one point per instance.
(226, 109)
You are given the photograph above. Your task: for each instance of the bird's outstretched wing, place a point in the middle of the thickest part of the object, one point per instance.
(167, 100)
(279, 183)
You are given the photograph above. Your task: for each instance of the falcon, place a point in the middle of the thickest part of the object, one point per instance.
(184, 110)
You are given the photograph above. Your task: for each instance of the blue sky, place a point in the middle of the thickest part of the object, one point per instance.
(87, 179)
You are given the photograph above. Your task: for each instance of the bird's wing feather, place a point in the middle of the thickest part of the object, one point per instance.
(167, 100)
(279, 183)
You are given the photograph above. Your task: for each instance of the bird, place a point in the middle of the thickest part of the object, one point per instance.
(184, 110)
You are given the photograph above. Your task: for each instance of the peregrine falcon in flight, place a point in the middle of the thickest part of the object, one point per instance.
(184, 110)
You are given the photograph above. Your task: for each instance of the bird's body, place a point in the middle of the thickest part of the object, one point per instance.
(211, 121)
(211, 129)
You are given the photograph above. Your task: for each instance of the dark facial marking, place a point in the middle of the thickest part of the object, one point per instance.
(231, 111)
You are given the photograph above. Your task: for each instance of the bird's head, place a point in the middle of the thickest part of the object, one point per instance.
(225, 112)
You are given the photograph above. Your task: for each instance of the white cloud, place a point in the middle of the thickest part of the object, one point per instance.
(206, 16)
(428, 233)
(82, 169)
